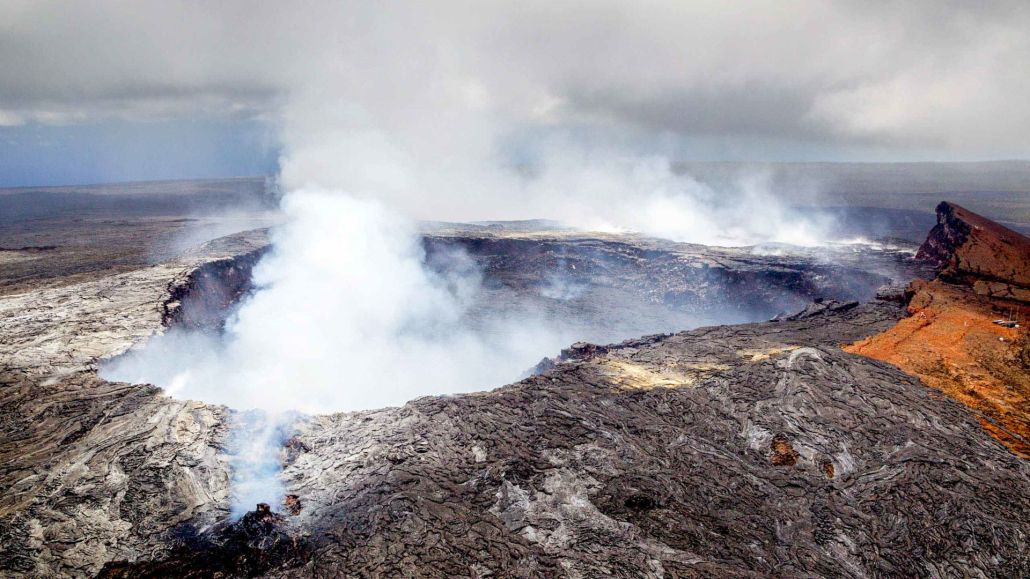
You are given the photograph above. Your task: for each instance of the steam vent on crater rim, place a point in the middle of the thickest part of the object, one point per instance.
(878, 438)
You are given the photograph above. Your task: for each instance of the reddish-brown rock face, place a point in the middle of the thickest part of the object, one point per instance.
(972, 250)
(966, 334)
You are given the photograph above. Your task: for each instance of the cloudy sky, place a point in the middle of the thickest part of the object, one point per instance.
(116, 90)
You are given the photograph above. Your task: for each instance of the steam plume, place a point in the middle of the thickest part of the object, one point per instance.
(347, 315)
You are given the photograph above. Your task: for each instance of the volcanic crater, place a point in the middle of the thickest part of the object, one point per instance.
(758, 449)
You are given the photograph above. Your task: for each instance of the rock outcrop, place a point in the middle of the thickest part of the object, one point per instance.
(972, 250)
(967, 329)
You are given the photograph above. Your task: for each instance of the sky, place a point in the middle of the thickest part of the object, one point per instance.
(113, 90)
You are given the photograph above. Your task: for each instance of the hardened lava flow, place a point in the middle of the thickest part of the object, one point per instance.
(753, 450)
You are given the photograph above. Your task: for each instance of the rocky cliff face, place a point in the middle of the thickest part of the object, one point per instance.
(969, 249)
(686, 276)
(606, 288)
(967, 330)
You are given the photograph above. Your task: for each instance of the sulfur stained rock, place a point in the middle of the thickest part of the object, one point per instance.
(783, 454)
(292, 504)
(828, 469)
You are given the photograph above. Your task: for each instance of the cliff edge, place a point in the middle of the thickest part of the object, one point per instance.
(972, 250)
(966, 332)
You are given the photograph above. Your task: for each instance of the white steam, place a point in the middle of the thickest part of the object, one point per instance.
(348, 316)
(442, 157)
(647, 196)
(256, 440)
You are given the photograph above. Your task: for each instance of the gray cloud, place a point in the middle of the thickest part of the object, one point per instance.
(951, 75)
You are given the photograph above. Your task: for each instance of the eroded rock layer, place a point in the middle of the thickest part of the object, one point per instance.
(967, 329)
(973, 250)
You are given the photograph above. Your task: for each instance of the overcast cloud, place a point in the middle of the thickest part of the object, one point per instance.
(950, 76)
